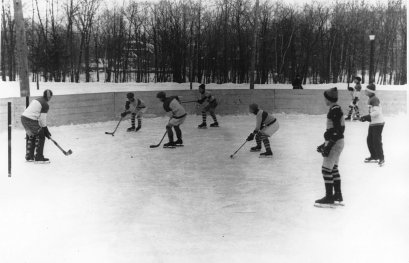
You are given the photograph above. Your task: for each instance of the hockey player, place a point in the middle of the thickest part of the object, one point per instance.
(376, 124)
(355, 94)
(210, 107)
(266, 126)
(136, 108)
(331, 150)
(178, 115)
(34, 120)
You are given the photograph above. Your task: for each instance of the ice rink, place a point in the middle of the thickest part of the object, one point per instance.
(115, 200)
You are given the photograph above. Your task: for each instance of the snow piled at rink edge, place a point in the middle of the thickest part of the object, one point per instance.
(12, 89)
(115, 200)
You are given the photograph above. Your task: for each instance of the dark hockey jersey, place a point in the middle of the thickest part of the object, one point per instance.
(335, 124)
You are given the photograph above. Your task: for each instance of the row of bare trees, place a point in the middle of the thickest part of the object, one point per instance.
(198, 41)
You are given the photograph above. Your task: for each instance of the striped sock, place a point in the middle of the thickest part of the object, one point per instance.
(337, 179)
(133, 119)
(139, 122)
(266, 142)
(213, 116)
(204, 116)
(356, 111)
(258, 140)
(328, 180)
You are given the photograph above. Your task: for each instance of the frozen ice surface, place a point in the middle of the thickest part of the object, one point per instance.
(115, 200)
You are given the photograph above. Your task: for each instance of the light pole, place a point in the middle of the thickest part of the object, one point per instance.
(371, 59)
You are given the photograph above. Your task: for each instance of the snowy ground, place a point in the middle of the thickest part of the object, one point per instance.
(12, 89)
(115, 200)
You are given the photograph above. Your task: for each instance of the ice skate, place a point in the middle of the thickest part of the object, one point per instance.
(179, 143)
(381, 163)
(325, 202)
(216, 124)
(348, 118)
(29, 159)
(338, 200)
(169, 145)
(255, 149)
(137, 128)
(370, 160)
(202, 126)
(41, 159)
(267, 154)
(130, 129)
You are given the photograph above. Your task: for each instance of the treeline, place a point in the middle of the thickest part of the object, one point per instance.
(195, 41)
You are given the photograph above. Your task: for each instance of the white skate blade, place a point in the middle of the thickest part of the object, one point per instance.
(169, 147)
(265, 156)
(371, 161)
(41, 162)
(203, 128)
(336, 203)
(324, 205)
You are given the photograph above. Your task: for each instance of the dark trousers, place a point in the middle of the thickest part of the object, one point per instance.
(374, 141)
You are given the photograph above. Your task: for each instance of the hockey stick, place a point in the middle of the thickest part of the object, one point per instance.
(69, 152)
(112, 133)
(189, 101)
(157, 145)
(232, 156)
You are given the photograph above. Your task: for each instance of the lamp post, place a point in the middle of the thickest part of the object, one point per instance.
(371, 59)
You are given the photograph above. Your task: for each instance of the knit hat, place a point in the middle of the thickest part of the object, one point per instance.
(371, 88)
(331, 94)
(47, 94)
(130, 95)
(358, 78)
(161, 95)
(253, 107)
(202, 86)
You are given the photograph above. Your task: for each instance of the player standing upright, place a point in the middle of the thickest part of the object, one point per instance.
(34, 120)
(136, 108)
(331, 150)
(355, 94)
(376, 124)
(210, 107)
(178, 115)
(266, 126)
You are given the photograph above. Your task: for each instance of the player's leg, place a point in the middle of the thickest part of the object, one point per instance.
(132, 128)
(257, 148)
(212, 113)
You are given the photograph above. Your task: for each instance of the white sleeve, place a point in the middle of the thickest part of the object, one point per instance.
(375, 111)
(42, 120)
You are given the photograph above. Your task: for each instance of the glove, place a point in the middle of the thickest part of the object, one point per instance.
(320, 148)
(251, 137)
(47, 132)
(123, 114)
(355, 100)
(327, 149)
(365, 118)
(127, 103)
(350, 89)
(200, 101)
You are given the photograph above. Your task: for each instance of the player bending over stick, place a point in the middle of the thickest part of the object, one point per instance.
(266, 126)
